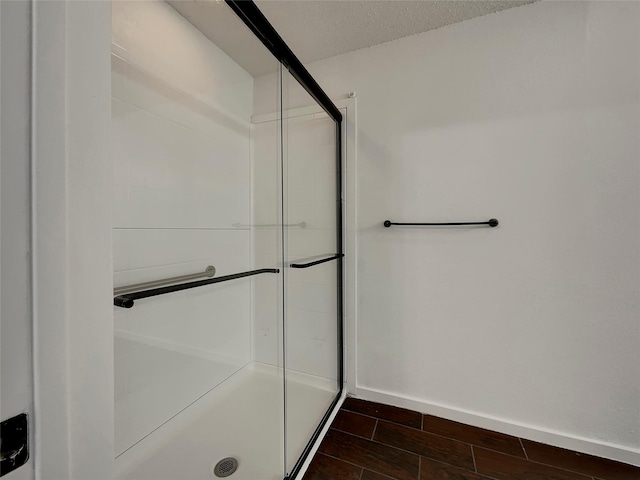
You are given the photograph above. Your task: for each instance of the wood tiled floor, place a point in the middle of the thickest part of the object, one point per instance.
(371, 441)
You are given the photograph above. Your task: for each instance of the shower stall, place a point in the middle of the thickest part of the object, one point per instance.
(227, 244)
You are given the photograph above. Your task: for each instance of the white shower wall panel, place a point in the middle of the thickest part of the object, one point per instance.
(310, 171)
(309, 211)
(162, 42)
(167, 174)
(266, 243)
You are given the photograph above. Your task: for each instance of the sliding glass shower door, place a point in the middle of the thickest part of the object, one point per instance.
(198, 366)
(227, 246)
(312, 280)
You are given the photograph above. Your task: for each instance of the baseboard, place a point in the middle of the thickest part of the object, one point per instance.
(536, 434)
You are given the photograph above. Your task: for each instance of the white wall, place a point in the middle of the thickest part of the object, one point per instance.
(181, 155)
(531, 116)
(16, 367)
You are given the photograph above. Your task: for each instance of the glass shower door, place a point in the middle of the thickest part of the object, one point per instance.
(312, 267)
(215, 167)
(198, 371)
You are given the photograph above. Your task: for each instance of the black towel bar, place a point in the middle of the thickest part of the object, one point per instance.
(492, 223)
(311, 263)
(127, 300)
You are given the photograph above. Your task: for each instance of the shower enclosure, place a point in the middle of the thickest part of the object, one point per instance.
(227, 238)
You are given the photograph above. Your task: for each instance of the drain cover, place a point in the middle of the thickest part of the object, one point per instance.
(225, 467)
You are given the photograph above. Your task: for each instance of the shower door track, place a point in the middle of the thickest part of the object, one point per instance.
(251, 15)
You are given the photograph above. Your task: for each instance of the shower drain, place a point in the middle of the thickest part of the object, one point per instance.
(225, 467)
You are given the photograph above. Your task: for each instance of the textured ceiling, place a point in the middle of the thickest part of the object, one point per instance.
(317, 29)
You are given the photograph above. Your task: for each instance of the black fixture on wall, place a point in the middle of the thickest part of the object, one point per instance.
(491, 223)
(14, 449)
(127, 300)
(310, 262)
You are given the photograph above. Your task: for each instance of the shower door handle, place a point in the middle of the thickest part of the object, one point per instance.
(310, 262)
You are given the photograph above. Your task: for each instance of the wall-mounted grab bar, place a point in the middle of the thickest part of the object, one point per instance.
(299, 224)
(492, 223)
(210, 271)
(127, 300)
(311, 263)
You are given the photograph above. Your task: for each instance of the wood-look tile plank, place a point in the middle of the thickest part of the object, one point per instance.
(432, 470)
(327, 468)
(505, 467)
(354, 423)
(477, 436)
(579, 462)
(374, 456)
(386, 412)
(425, 444)
(369, 475)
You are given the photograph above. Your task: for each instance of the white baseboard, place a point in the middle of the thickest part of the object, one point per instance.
(559, 439)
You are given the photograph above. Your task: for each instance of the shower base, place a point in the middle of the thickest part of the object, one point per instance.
(242, 418)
